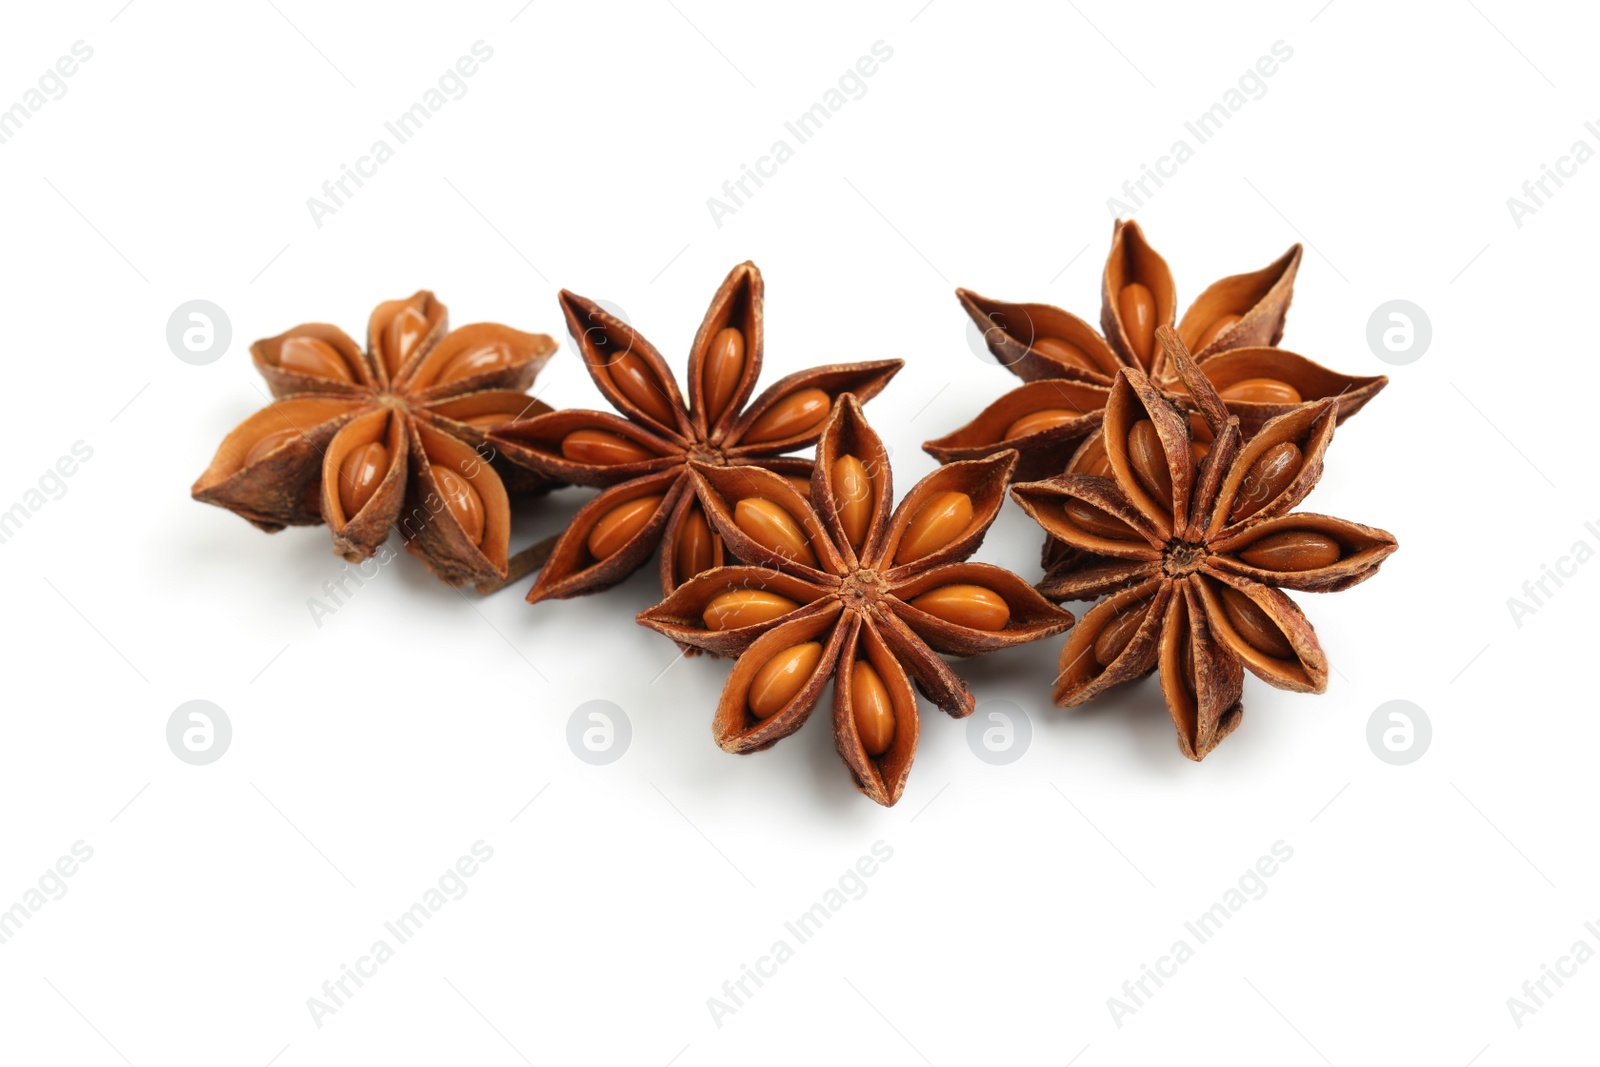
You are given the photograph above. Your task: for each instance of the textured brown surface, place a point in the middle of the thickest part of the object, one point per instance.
(393, 398)
(1176, 561)
(854, 602)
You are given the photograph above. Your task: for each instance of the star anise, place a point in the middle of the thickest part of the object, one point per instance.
(641, 458)
(367, 440)
(1232, 329)
(1189, 555)
(839, 587)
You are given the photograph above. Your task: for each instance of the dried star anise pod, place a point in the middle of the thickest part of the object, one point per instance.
(641, 457)
(370, 440)
(1232, 329)
(1190, 554)
(839, 587)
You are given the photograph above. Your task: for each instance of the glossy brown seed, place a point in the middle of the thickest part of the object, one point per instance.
(313, 356)
(1138, 310)
(618, 526)
(360, 475)
(267, 444)
(401, 336)
(1253, 626)
(1093, 460)
(697, 546)
(1149, 461)
(1066, 352)
(781, 678)
(1091, 519)
(465, 505)
(479, 360)
(490, 421)
(1261, 391)
(874, 711)
(721, 371)
(1115, 635)
(941, 520)
(793, 415)
(1040, 421)
(602, 448)
(966, 605)
(1215, 330)
(1293, 550)
(852, 490)
(1269, 475)
(745, 607)
(636, 381)
(773, 528)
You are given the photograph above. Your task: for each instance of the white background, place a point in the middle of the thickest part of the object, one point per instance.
(372, 751)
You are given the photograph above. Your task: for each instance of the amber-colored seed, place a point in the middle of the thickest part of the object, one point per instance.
(1269, 475)
(781, 678)
(601, 448)
(617, 526)
(1093, 520)
(1040, 421)
(789, 417)
(480, 360)
(1261, 391)
(1149, 461)
(1138, 308)
(697, 546)
(1066, 352)
(801, 483)
(1214, 331)
(402, 335)
(1186, 660)
(269, 443)
(490, 421)
(1115, 635)
(852, 490)
(313, 356)
(465, 505)
(636, 381)
(360, 475)
(874, 711)
(745, 607)
(941, 520)
(721, 371)
(966, 605)
(1093, 459)
(1253, 625)
(1293, 550)
(773, 528)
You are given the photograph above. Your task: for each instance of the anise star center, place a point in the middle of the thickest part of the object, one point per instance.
(1183, 558)
(861, 589)
(700, 452)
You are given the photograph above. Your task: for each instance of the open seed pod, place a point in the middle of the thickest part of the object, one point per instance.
(839, 585)
(1233, 328)
(385, 437)
(1189, 554)
(657, 434)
